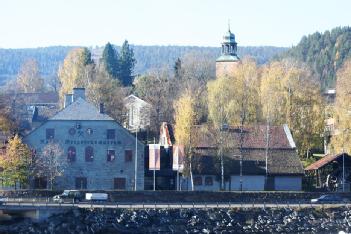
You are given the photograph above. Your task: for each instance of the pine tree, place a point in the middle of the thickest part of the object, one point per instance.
(127, 63)
(110, 60)
(86, 54)
(177, 69)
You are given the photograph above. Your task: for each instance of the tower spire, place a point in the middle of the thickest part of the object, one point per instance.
(228, 25)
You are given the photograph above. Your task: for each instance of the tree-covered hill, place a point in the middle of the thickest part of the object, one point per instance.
(48, 59)
(324, 52)
(148, 57)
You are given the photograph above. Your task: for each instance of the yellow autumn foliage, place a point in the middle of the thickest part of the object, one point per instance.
(341, 140)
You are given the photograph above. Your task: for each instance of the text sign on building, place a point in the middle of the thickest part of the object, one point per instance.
(154, 157)
(178, 157)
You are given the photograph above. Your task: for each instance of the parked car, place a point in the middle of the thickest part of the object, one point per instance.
(69, 196)
(329, 198)
(2, 200)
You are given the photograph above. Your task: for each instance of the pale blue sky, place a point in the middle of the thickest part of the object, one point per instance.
(34, 23)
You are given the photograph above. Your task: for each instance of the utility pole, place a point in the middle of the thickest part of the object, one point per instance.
(267, 148)
(136, 160)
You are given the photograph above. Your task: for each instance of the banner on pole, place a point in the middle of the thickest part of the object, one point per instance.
(154, 157)
(178, 158)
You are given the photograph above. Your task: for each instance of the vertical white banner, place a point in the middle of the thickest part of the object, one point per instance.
(154, 157)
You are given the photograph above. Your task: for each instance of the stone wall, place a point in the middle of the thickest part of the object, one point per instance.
(284, 220)
(187, 196)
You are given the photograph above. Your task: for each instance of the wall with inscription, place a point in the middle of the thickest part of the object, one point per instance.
(100, 154)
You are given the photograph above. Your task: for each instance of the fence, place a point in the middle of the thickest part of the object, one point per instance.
(44, 203)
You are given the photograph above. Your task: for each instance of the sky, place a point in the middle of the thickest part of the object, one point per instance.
(40, 23)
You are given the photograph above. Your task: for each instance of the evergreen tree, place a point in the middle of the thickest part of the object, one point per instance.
(177, 68)
(127, 63)
(110, 60)
(86, 54)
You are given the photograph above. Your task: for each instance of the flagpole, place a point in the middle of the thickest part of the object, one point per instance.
(178, 178)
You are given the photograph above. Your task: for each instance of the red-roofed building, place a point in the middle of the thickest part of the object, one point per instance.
(276, 167)
(328, 172)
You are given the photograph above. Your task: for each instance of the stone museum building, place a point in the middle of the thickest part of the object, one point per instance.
(99, 153)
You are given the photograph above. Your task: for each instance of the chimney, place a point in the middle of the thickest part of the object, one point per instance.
(78, 93)
(101, 108)
(68, 100)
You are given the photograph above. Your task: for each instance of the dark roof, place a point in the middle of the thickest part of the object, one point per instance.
(280, 162)
(228, 58)
(324, 161)
(43, 113)
(36, 98)
(282, 154)
(80, 110)
(254, 137)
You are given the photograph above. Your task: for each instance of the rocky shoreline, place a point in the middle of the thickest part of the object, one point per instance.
(272, 220)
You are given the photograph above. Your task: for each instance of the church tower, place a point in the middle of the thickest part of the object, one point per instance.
(227, 62)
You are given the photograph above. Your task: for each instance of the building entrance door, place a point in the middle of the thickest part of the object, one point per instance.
(120, 183)
(40, 183)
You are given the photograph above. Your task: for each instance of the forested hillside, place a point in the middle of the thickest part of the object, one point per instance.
(147, 57)
(324, 52)
(48, 59)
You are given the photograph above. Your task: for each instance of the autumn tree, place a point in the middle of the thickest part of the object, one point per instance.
(28, 78)
(7, 122)
(104, 89)
(233, 100)
(341, 140)
(159, 90)
(76, 71)
(49, 163)
(185, 119)
(15, 163)
(291, 94)
(198, 66)
(127, 63)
